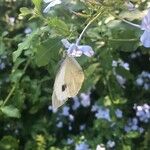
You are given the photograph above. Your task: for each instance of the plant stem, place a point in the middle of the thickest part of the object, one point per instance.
(123, 40)
(91, 21)
(10, 93)
(15, 85)
(128, 22)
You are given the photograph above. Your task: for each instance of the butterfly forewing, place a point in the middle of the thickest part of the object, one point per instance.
(74, 76)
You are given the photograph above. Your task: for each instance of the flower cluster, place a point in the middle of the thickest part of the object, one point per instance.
(83, 100)
(118, 113)
(82, 146)
(143, 112)
(135, 55)
(132, 125)
(110, 144)
(2, 62)
(120, 63)
(69, 141)
(143, 80)
(101, 112)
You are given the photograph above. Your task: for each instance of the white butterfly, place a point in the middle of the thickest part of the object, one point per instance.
(68, 81)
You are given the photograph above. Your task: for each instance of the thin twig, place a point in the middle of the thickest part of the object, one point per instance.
(126, 21)
(91, 21)
(15, 85)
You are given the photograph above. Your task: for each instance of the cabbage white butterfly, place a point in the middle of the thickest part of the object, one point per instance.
(68, 81)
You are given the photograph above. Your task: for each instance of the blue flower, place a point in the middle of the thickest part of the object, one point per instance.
(103, 113)
(82, 146)
(85, 99)
(65, 111)
(2, 66)
(76, 103)
(143, 112)
(118, 113)
(59, 125)
(145, 38)
(75, 50)
(110, 144)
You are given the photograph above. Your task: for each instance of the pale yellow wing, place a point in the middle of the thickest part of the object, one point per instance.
(55, 102)
(68, 81)
(60, 85)
(74, 76)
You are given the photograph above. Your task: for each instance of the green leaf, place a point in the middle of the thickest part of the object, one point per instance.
(25, 44)
(17, 63)
(2, 46)
(126, 147)
(9, 143)
(46, 51)
(17, 53)
(10, 111)
(1, 102)
(37, 4)
(25, 11)
(107, 101)
(132, 134)
(15, 76)
(123, 37)
(91, 77)
(59, 26)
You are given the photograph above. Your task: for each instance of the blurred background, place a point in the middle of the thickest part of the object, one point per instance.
(112, 109)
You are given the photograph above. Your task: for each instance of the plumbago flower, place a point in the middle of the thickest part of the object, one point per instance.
(110, 144)
(143, 112)
(76, 50)
(51, 4)
(82, 146)
(133, 125)
(145, 38)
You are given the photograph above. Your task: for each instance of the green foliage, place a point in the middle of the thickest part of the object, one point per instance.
(46, 50)
(59, 26)
(30, 53)
(9, 143)
(10, 111)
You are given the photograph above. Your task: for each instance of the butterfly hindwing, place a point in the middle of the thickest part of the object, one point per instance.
(55, 102)
(59, 84)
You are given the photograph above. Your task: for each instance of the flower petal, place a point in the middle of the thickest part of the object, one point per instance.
(66, 43)
(51, 4)
(48, 1)
(146, 22)
(87, 50)
(145, 39)
(74, 51)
